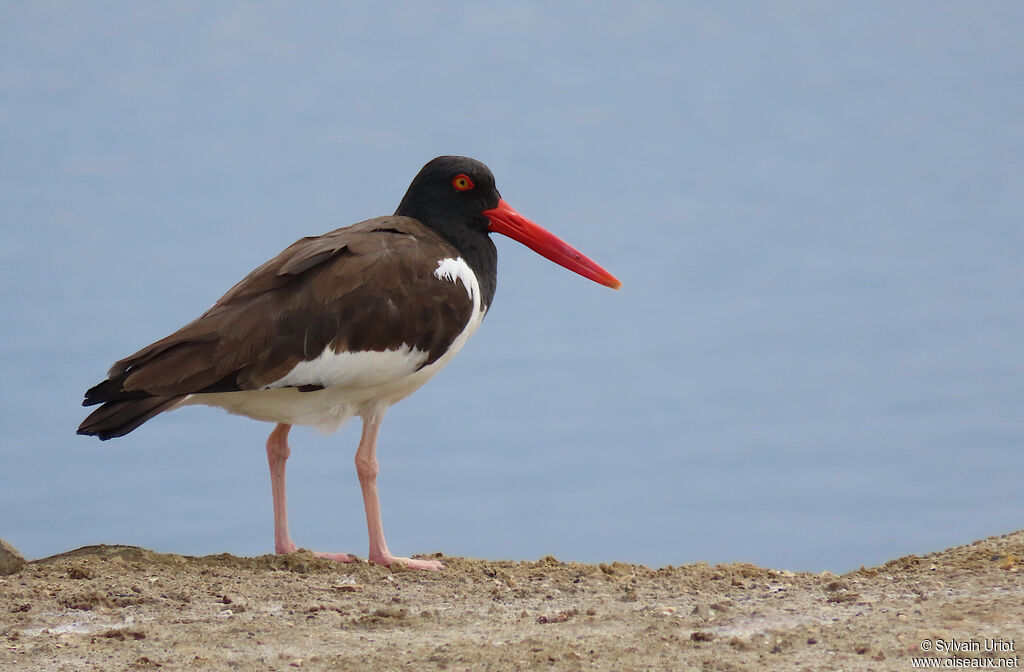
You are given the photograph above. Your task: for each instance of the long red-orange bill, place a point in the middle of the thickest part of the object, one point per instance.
(506, 221)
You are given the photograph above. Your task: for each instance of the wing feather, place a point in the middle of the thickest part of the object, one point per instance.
(366, 287)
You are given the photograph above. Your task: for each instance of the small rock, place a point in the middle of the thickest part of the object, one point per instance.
(10, 560)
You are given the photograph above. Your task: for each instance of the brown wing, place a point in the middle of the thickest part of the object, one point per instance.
(370, 286)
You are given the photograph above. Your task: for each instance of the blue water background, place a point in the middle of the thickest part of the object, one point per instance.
(816, 209)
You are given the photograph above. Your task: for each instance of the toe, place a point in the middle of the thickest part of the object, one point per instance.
(336, 557)
(410, 563)
(427, 565)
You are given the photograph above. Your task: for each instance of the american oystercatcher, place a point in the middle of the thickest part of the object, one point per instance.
(338, 325)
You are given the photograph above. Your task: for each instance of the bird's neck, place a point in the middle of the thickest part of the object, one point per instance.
(472, 241)
(478, 251)
(476, 248)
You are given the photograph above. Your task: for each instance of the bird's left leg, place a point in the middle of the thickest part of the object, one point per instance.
(367, 468)
(277, 454)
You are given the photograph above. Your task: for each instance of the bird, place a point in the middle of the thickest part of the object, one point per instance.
(339, 325)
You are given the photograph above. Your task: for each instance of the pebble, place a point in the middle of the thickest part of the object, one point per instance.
(10, 560)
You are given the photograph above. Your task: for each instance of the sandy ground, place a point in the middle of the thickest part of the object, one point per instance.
(126, 608)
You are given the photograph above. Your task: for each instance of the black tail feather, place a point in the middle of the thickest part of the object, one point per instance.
(117, 418)
(112, 389)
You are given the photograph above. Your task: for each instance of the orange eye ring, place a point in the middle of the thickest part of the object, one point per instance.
(461, 182)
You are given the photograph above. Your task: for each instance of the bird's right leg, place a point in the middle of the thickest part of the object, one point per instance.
(277, 454)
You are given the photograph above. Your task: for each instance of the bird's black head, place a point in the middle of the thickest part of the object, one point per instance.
(456, 197)
(449, 193)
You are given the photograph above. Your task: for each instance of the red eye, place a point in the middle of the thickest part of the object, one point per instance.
(462, 182)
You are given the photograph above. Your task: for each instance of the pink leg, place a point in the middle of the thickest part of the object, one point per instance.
(367, 468)
(277, 454)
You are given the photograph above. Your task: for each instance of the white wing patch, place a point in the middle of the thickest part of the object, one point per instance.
(366, 368)
(457, 269)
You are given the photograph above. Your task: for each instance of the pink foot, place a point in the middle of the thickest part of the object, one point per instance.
(411, 563)
(336, 557)
(284, 548)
